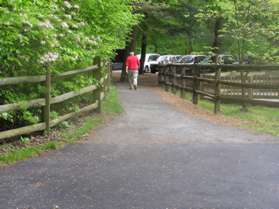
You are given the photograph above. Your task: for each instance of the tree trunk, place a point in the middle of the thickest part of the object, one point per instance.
(143, 52)
(189, 49)
(216, 40)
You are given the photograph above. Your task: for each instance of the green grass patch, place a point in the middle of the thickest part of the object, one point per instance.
(263, 119)
(111, 105)
(17, 154)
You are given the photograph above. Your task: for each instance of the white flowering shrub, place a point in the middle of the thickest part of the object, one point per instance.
(64, 35)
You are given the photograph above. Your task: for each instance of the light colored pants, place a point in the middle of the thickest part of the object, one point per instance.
(133, 78)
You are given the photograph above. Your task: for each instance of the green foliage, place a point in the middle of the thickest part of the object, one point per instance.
(24, 140)
(244, 28)
(63, 35)
(54, 115)
(28, 116)
(15, 154)
(253, 25)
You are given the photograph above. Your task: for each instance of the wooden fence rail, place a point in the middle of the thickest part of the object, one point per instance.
(100, 89)
(209, 82)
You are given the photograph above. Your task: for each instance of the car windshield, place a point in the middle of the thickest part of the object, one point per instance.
(187, 59)
(153, 57)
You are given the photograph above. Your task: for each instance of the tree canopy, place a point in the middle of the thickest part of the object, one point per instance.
(244, 28)
(63, 34)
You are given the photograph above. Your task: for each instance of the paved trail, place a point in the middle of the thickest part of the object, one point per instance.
(152, 157)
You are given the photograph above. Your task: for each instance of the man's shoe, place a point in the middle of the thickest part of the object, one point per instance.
(135, 87)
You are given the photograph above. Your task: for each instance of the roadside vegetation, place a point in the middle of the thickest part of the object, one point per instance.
(70, 133)
(63, 35)
(260, 119)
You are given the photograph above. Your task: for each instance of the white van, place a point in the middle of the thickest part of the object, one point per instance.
(150, 62)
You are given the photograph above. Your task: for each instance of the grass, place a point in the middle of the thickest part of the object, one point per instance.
(264, 119)
(111, 106)
(261, 119)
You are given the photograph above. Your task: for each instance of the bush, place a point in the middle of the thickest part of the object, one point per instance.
(66, 35)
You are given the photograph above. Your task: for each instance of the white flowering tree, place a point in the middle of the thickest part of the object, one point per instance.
(66, 35)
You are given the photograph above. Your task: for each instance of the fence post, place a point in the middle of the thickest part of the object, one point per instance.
(47, 100)
(182, 90)
(98, 76)
(165, 77)
(168, 77)
(195, 85)
(173, 72)
(250, 92)
(217, 91)
(160, 75)
(161, 79)
(243, 81)
(107, 81)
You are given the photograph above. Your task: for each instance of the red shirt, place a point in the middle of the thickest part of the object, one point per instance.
(133, 63)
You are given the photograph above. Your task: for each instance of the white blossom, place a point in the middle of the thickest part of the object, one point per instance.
(78, 39)
(54, 44)
(81, 24)
(67, 4)
(65, 25)
(92, 41)
(46, 24)
(75, 26)
(76, 6)
(68, 17)
(49, 57)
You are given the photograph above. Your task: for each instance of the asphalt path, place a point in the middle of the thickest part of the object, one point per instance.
(151, 157)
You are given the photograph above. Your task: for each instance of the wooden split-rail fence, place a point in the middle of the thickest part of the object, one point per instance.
(100, 71)
(241, 84)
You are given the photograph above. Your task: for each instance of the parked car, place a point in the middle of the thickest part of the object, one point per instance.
(176, 58)
(226, 59)
(221, 59)
(162, 59)
(192, 59)
(150, 62)
(167, 59)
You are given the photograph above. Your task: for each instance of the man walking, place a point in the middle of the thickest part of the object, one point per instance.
(132, 68)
